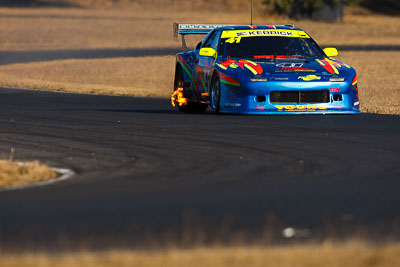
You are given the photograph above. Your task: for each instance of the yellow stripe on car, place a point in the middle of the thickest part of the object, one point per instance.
(255, 33)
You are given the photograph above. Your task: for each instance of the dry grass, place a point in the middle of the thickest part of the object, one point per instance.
(56, 29)
(151, 76)
(149, 25)
(378, 80)
(14, 174)
(175, 4)
(333, 255)
(357, 29)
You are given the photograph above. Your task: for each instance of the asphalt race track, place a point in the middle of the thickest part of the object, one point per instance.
(147, 173)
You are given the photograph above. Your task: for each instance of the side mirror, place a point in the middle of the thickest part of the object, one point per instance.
(331, 52)
(208, 52)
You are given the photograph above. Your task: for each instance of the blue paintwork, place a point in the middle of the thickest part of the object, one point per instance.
(243, 99)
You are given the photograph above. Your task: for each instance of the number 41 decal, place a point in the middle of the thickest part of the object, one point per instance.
(233, 40)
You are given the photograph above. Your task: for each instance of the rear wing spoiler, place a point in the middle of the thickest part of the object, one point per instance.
(184, 29)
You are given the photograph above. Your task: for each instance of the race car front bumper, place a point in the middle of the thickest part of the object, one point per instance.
(293, 98)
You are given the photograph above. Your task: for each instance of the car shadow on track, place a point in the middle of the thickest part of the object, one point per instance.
(159, 111)
(151, 111)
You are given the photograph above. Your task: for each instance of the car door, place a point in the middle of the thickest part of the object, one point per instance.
(205, 64)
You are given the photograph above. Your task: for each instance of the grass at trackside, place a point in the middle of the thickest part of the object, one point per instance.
(351, 254)
(378, 80)
(17, 174)
(151, 76)
(150, 24)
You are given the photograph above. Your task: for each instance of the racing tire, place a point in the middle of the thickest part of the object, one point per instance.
(215, 95)
(190, 107)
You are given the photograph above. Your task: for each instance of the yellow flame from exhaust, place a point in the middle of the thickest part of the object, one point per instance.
(178, 97)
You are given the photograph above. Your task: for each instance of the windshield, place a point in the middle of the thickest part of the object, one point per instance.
(269, 47)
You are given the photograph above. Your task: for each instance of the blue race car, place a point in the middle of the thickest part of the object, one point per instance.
(261, 69)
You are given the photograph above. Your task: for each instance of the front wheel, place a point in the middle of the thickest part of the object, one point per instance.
(215, 93)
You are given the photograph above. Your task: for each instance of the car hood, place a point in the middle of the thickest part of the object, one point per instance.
(308, 70)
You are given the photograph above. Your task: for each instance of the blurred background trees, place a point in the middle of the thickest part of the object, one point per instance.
(291, 8)
(309, 8)
(37, 3)
(296, 8)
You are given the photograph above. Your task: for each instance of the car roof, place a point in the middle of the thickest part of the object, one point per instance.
(258, 27)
